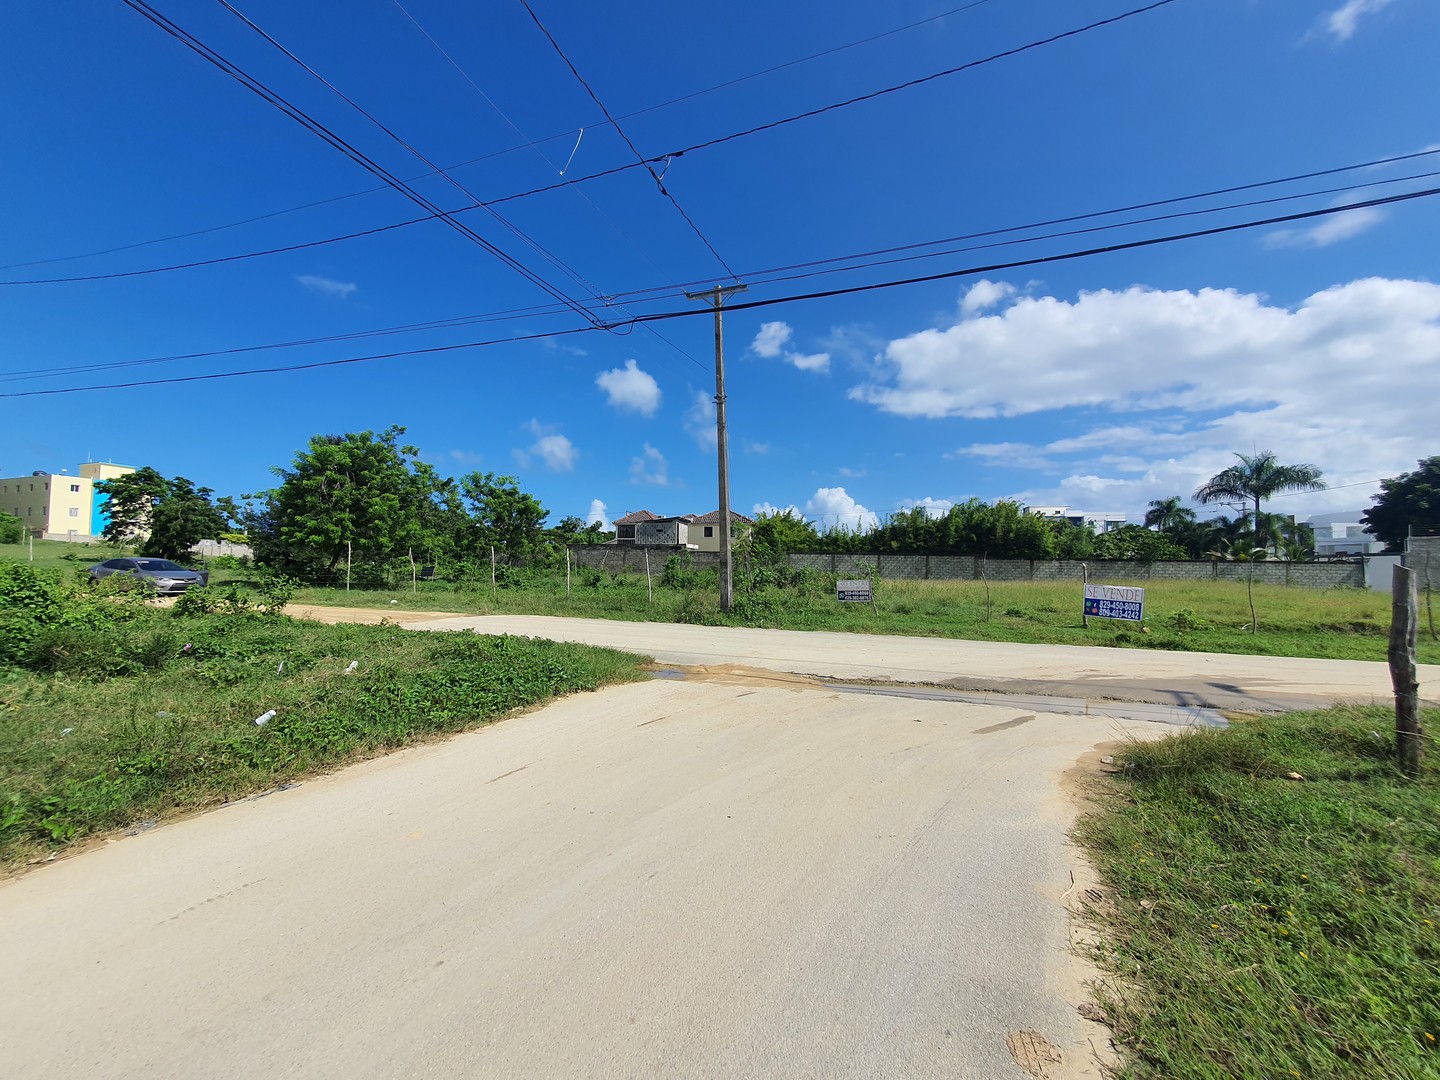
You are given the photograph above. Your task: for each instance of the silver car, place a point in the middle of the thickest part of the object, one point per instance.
(166, 576)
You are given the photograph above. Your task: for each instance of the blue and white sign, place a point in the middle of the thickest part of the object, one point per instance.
(1115, 602)
(856, 591)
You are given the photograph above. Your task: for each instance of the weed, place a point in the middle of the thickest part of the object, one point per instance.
(1276, 901)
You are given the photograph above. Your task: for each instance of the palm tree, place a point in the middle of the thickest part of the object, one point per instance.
(1166, 515)
(1258, 476)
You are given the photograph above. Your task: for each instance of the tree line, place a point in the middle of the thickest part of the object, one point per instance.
(366, 499)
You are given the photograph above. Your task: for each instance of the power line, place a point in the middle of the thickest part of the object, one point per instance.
(554, 260)
(543, 157)
(617, 169)
(1130, 245)
(315, 127)
(1090, 215)
(657, 177)
(508, 150)
(768, 276)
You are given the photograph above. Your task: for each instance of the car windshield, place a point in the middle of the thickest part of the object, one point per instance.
(157, 564)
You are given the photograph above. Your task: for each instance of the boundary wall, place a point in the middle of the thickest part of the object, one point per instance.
(1315, 575)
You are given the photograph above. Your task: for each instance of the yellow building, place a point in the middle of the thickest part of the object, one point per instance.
(58, 506)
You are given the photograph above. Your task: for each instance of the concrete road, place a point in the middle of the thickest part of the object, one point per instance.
(1215, 680)
(671, 879)
(674, 879)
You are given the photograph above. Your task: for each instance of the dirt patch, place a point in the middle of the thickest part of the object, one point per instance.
(1033, 1052)
(366, 616)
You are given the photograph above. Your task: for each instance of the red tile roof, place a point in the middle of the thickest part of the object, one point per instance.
(635, 518)
(714, 516)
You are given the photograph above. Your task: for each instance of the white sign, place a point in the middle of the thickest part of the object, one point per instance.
(853, 591)
(1115, 602)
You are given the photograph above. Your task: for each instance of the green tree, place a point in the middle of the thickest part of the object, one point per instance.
(168, 516)
(12, 531)
(776, 536)
(504, 516)
(1168, 515)
(181, 519)
(1257, 477)
(1135, 543)
(129, 503)
(360, 489)
(1412, 498)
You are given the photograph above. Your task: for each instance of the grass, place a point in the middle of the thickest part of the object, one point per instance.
(156, 716)
(1264, 926)
(1208, 616)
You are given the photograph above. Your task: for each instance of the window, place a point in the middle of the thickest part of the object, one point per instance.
(709, 530)
(74, 487)
(74, 511)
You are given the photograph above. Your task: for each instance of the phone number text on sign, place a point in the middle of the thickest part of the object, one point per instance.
(1115, 602)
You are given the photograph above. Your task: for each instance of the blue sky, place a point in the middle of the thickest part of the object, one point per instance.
(1100, 382)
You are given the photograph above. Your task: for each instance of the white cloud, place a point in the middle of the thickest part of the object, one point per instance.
(984, 295)
(1202, 375)
(850, 474)
(599, 514)
(835, 507)
(1342, 22)
(630, 388)
(771, 338)
(650, 468)
(467, 457)
(935, 508)
(1329, 230)
(700, 420)
(558, 452)
(757, 448)
(812, 362)
(327, 286)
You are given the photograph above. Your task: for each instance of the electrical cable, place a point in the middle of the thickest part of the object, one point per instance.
(650, 168)
(560, 172)
(768, 276)
(498, 153)
(315, 127)
(1041, 260)
(519, 234)
(617, 169)
(1252, 186)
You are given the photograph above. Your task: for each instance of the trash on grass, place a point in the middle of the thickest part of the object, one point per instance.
(264, 718)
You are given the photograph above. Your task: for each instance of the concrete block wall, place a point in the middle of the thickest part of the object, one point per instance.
(631, 557)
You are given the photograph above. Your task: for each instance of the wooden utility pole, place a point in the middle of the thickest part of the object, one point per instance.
(1404, 637)
(716, 297)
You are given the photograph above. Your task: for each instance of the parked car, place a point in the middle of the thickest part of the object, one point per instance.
(166, 576)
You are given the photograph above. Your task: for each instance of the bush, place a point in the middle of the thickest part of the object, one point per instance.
(11, 530)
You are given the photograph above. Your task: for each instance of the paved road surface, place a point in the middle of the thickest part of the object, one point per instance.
(672, 879)
(1216, 680)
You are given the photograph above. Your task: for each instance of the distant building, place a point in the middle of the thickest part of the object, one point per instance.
(1097, 522)
(693, 532)
(1342, 534)
(58, 506)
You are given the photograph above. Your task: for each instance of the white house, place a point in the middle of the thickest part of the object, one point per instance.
(1098, 521)
(1342, 534)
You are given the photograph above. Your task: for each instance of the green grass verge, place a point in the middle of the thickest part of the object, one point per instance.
(1208, 616)
(1269, 927)
(155, 716)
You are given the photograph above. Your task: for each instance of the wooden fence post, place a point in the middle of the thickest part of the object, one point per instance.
(1404, 635)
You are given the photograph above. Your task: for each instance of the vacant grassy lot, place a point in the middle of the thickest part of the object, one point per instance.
(1266, 926)
(1197, 616)
(113, 713)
